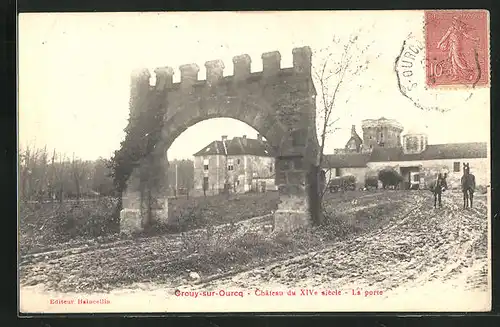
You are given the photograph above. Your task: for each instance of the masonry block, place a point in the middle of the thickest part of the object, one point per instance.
(292, 213)
(161, 215)
(296, 177)
(280, 178)
(164, 78)
(271, 63)
(283, 163)
(242, 67)
(141, 75)
(215, 71)
(299, 137)
(189, 74)
(302, 60)
(130, 221)
(298, 163)
(289, 221)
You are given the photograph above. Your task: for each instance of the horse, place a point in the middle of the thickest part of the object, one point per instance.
(438, 187)
(468, 182)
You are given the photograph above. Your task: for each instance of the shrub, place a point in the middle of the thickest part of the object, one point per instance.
(371, 181)
(389, 177)
(44, 224)
(343, 182)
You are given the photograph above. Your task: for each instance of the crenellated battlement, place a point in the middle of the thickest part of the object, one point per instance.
(271, 66)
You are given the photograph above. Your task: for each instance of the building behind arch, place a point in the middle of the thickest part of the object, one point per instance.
(384, 144)
(237, 165)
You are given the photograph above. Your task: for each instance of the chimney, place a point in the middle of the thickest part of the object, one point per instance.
(353, 130)
(244, 140)
(259, 137)
(224, 138)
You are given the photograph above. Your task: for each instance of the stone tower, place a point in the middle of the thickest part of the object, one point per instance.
(381, 132)
(414, 142)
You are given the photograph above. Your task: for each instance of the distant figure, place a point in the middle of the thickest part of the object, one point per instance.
(468, 182)
(438, 187)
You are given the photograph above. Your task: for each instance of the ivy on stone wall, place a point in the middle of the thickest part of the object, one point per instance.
(142, 134)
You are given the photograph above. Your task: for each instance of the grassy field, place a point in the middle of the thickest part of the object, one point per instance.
(200, 212)
(50, 226)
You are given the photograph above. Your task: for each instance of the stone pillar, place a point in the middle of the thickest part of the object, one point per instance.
(293, 209)
(132, 213)
(132, 216)
(296, 173)
(144, 199)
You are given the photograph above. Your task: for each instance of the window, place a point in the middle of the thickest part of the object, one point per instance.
(230, 164)
(416, 178)
(411, 143)
(238, 161)
(456, 166)
(271, 168)
(205, 164)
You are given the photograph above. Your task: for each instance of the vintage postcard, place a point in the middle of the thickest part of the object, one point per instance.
(329, 161)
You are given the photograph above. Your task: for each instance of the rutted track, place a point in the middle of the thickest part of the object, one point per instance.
(426, 244)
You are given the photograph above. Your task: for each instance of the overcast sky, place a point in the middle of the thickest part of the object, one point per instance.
(74, 73)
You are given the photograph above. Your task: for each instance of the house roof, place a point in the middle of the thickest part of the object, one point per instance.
(215, 147)
(238, 146)
(346, 160)
(432, 152)
(357, 140)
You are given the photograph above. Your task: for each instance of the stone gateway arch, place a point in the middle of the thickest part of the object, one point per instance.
(277, 102)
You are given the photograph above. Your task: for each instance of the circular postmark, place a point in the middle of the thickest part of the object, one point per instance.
(412, 66)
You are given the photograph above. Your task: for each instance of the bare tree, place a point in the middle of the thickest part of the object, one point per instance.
(52, 176)
(23, 173)
(101, 180)
(41, 175)
(32, 173)
(60, 176)
(78, 171)
(335, 68)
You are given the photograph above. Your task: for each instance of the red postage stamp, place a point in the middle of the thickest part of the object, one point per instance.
(457, 48)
